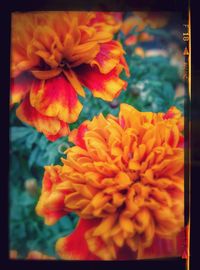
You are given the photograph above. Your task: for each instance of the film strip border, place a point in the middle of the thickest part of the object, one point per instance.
(186, 36)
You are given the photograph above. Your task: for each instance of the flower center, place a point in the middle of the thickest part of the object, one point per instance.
(64, 64)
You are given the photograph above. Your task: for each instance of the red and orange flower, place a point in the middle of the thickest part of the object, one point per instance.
(55, 54)
(124, 178)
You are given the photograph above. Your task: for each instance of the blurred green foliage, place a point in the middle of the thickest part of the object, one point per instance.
(152, 84)
(151, 87)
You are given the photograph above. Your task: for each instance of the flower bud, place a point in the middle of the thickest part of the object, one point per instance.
(31, 186)
(13, 254)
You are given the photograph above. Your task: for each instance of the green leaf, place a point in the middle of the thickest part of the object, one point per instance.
(17, 133)
(168, 92)
(36, 152)
(31, 138)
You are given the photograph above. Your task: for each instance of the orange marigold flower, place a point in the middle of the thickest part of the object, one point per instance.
(55, 54)
(124, 178)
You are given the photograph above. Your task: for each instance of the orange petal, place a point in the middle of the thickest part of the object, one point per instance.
(51, 202)
(46, 74)
(52, 127)
(19, 88)
(181, 141)
(76, 136)
(107, 21)
(128, 116)
(144, 36)
(132, 40)
(71, 76)
(130, 23)
(173, 112)
(105, 86)
(64, 130)
(51, 217)
(123, 64)
(56, 98)
(74, 246)
(108, 56)
(163, 248)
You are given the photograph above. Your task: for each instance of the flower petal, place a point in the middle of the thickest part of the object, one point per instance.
(19, 88)
(76, 135)
(132, 22)
(131, 40)
(163, 248)
(46, 74)
(74, 246)
(52, 127)
(51, 203)
(75, 82)
(107, 21)
(56, 98)
(126, 115)
(105, 86)
(108, 56)
(64, 130)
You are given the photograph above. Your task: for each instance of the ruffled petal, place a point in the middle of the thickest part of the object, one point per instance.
(56, 98)
(77, 135)
(98, 242)
(20, 86)
(108, 56)
(74, 246)
(71, 76)
(51, 203)
(173, 112)
(107, 21)
(23, 26)
(164, 248)
(106, 86)
(64, 130)
(46, 74)
(126, 115)
(52, 127)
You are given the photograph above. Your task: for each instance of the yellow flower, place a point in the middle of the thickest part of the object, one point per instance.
(55, 54)
(124, 178)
